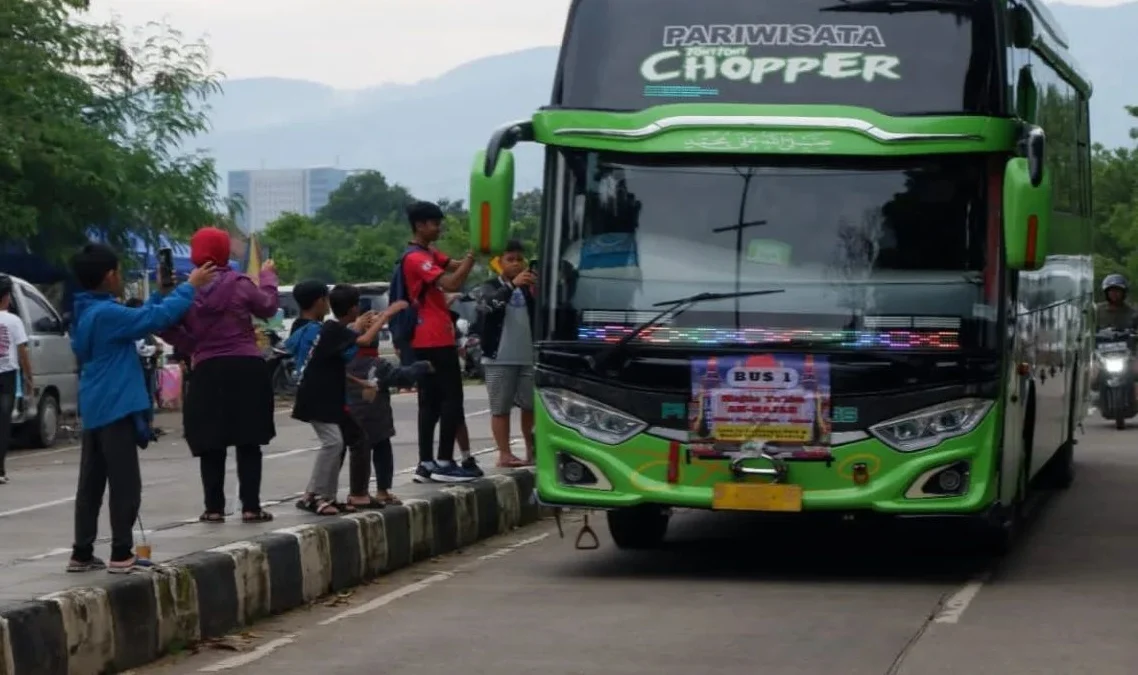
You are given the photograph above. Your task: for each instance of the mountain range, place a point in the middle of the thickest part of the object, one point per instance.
(423, 135)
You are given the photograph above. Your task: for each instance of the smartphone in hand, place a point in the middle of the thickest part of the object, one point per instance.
(166, 268)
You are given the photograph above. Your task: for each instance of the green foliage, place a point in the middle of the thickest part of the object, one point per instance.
(1115, 213)
(94, 121)
(359, 235)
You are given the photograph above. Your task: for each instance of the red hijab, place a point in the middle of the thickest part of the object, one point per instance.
(210, 244)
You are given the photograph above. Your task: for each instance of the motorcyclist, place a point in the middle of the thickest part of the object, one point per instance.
(1115, 312)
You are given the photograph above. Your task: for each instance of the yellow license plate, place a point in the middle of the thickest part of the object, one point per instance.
(757, 497)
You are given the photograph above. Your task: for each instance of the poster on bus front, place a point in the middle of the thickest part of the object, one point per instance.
(779, 403)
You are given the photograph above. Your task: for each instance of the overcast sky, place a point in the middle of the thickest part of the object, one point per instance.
(356, 43)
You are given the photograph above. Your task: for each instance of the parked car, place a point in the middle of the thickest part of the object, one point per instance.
(37, 418)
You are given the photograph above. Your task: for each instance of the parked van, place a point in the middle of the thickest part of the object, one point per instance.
(37, 418)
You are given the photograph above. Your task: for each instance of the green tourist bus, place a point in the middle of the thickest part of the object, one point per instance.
(822, 257)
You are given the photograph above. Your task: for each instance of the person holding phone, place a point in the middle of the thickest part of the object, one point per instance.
(506, 311)
(230, 403)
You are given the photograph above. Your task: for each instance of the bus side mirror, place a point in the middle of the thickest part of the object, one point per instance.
(491, 200)
(1027, 213)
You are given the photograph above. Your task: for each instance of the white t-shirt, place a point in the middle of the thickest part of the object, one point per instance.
(12, 335)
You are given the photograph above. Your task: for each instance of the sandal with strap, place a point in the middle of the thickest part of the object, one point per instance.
(211, 517)
(318, 506)
(372, 504)
(392, 500)
(261, 516)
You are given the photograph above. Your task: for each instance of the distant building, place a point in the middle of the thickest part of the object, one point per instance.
(270, 193)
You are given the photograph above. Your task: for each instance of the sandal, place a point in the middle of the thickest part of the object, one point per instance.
(131, 566)
(344, 507)
(318, 506)
(370, 505)
(211, 517)
(392, 500)
(261, 516)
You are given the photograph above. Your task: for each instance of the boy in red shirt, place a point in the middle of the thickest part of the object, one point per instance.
(429, 275)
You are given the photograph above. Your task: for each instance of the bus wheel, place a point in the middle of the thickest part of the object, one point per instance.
(638, 527)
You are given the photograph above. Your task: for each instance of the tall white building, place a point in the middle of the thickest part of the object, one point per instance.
(270, 193)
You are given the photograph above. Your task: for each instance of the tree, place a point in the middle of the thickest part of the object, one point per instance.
(93, 127)
(369, 258)
(365, 198)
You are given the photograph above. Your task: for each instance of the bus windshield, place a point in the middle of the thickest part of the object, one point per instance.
(844, 239)
(899, 57)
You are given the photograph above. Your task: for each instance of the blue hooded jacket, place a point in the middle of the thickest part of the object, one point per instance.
(111, 385)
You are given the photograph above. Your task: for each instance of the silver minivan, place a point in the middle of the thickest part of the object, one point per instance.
(37, 418)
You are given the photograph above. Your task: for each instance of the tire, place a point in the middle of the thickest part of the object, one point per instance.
(282, 383)
(638, 527)
(44, 429)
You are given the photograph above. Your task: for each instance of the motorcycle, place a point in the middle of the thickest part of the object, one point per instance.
(282, 366)
(1114, 356)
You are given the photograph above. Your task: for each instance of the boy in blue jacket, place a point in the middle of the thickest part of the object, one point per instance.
(113, 400)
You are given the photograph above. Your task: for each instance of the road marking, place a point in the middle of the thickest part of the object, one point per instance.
(388, 598)
(269, 647)
(66, 500)
(268, 503)
(36, 507)
(244, 659)
(956, 603)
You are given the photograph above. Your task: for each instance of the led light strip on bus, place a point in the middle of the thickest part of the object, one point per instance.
(887, 339)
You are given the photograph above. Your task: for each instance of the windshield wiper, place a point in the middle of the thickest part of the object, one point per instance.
(898, 6)
(674, 309)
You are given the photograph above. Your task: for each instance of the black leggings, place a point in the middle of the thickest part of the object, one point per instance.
(440, 402)
(383, 458)
(248, 478)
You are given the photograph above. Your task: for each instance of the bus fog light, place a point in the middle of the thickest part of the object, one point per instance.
(575, 472)
(943, 481)
(950, 480)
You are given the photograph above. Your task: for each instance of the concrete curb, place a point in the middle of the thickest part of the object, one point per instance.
(133, 620)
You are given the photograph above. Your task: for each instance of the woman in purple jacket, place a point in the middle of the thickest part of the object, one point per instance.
(231, 401)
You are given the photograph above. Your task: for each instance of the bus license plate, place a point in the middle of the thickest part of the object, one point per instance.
(757, 497)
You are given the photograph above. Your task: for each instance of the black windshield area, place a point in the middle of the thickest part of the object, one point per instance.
(847, 241)
(901, 58)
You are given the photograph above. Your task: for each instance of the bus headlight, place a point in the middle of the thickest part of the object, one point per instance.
(1114, 366)
(592, 419)
(927, 427)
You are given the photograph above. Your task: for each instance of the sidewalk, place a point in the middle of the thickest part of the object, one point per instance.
(214, 579)
(222, 576)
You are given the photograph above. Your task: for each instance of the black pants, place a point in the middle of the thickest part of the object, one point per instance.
(248, 478)
(7, 404)
(109, 457)
(406, 353)
(440, 402)
(383, 457)
(358, 453)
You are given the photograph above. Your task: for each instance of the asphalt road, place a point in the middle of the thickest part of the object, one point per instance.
(37, 507)
(732, 596)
